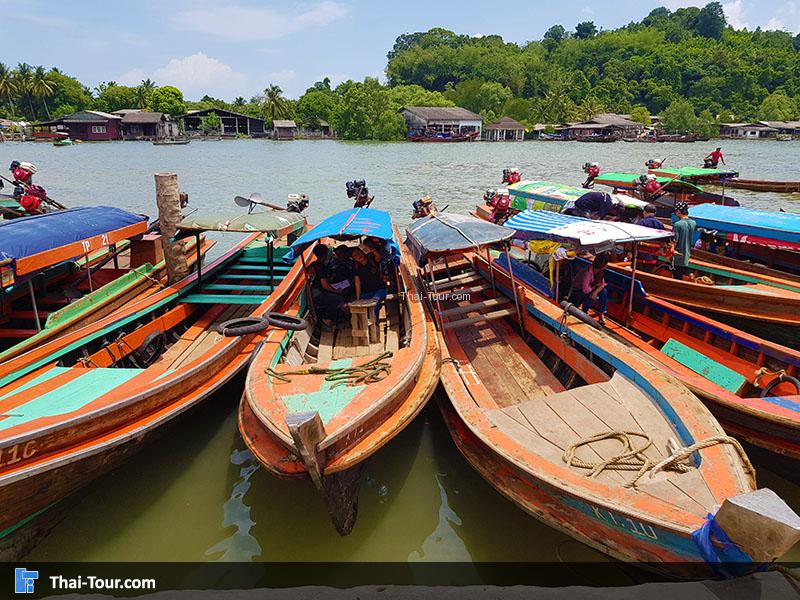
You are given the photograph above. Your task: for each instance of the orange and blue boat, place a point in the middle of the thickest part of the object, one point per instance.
(76, 406)
(320, 400)
(582, 431)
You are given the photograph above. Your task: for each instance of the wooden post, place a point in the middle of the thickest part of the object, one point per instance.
(169, 216)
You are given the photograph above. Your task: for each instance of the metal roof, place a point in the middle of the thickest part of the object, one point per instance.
(442, 113)
(284, 123)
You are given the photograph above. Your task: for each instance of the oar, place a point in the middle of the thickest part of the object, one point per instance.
(255, 199)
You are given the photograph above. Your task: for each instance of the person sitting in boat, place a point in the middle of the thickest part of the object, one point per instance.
(381, 252)
(589, 287)
(369, 282)
(593, 205)
(713, 159)
(648, 261)
(336, 284)
(684, 229)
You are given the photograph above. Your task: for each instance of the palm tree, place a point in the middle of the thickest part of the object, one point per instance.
(42, 86)
(144, 90)
(24, 78)
(8, 87)
(274, 103)
(589, 108)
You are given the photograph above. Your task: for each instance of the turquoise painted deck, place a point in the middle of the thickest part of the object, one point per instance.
(222, 299)
(69, 397)
(328, 401)
(744, 288)
(36, 381)
(703, 365)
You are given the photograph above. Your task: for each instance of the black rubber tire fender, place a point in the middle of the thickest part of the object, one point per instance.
(243, 326)
(284, 321)
(777, 381)
(144, 358)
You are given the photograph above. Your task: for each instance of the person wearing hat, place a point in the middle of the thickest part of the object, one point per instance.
(683, 229)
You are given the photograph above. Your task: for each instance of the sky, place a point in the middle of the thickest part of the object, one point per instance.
(239, 48)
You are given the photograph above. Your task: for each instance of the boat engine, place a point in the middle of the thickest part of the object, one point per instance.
(654, 164)
(648, 184)
(592, 170)
(30, 197)
(22, 172)
(501, 207)
(423, 207)
(297, 203)
(357, 189)
(511, 176)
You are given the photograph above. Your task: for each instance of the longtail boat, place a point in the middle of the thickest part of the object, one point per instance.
(695, 174)
(749, 384)
(318, 402)
(583, 432)
(546, 195)
(761, 185)
(62, 270)
(768, 237)
(445, 137)
(673, 190)
(77, 406)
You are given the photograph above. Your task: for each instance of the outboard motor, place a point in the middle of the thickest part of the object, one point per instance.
(297, 203)
(651, 185)
(489, 196)
(357, 190)
(511, 176)
(22, 172)
(592, 170)
(654, 164)
(423, 207)
(30, 197)
(501, 208)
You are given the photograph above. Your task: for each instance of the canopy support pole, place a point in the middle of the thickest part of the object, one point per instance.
(33, 305)
(491, 270)
(271, 262)
(633, 279)
(199, 257)
(312, 310)
(113, 249)
(514, 290)
(558, 277)
(89, 273)
(447, 268)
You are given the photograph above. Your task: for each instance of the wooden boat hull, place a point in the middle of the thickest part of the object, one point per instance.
(369, 420)
(134, 285)
(471, 137)
(619, 526)
(762, 303)
(101, 414)
(757, 185)
(756, 269)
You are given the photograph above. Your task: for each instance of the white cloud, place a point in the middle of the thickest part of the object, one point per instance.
(775, 23)
(734, 13)
(194, 75)
(240, 24)
(676, 4)
(281, 77)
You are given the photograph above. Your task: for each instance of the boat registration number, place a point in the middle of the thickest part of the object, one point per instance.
(13, 454)
(635, 527)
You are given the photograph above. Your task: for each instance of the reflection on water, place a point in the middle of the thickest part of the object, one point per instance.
(195, 495)
(241, 546)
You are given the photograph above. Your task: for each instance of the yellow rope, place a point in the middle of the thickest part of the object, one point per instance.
(765, 371)
(633, 459)
(372, 371)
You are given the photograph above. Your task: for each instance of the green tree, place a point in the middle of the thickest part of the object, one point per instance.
(640, 114)
(114, 97)
(585, 30)
(589, 108)
(167, 99)
(144, 92)
(274, 106)
(555, 33)
(711, 21)
(23, 82)
(211, 123)
(706, 125)
(778, 106)
(316, 105)
(679, 117)
(8, 87)
(42, 87)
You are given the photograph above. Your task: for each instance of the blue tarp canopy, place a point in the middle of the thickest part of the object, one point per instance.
(353, 222)
(64, 234)
(745, 221)
(447, 233)
(598, 236)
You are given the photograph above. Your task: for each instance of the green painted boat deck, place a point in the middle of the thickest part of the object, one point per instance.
(235, 287)
(328, 401)
(222, 299)
(69, 397)
(703, 365)
(261, 267)
(745, 288)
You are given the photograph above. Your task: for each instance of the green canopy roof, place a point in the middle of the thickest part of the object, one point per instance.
(274, 223)
(629, 181)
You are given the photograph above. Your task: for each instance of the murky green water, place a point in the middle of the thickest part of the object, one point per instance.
(196, 494)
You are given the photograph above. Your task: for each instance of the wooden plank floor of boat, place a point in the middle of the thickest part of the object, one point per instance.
(535, 410)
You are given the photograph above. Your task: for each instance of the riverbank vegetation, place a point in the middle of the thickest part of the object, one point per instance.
(688, 66)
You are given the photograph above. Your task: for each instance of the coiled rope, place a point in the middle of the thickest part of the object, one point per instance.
(633, 459)
(372, 371)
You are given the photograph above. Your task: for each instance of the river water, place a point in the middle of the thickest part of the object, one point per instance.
(196, 494)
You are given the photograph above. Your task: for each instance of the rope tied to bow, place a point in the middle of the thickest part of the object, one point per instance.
(372, 371)
(632, 458)
(764, 372)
